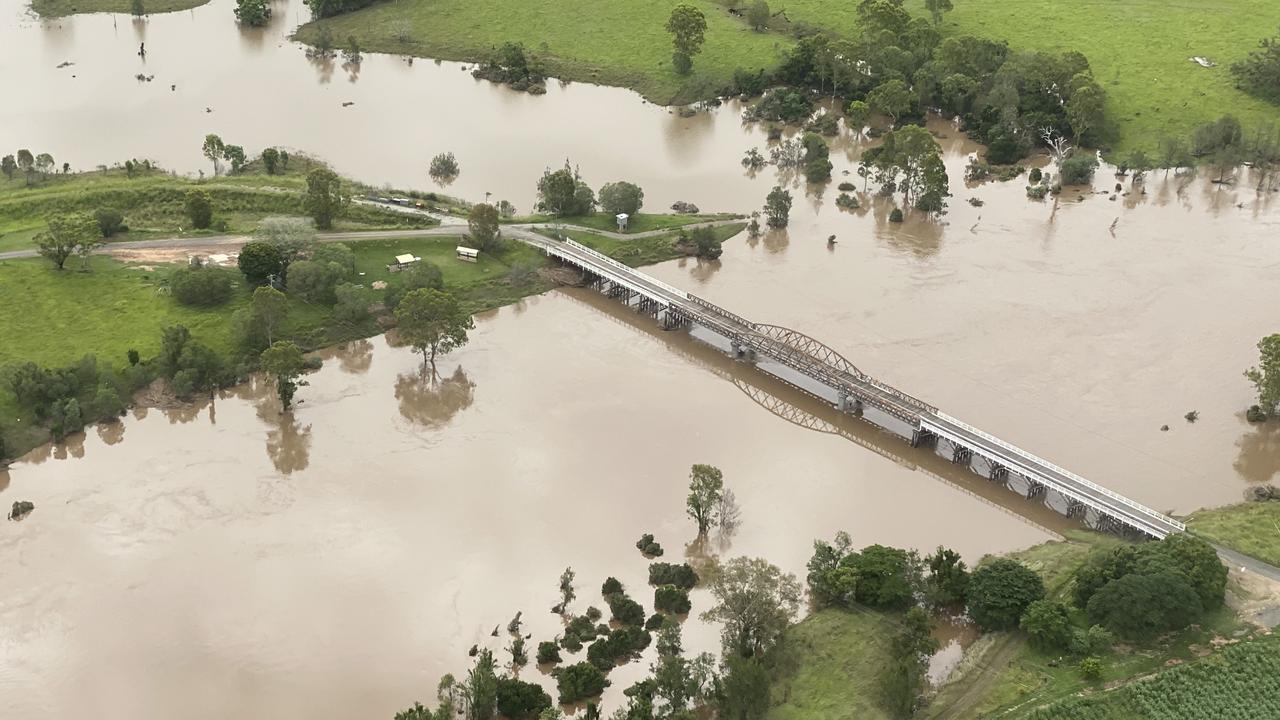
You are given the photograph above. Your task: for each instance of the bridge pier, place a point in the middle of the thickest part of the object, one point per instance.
(920, 436)
(740, 352)
(849, 403)
(961, 455)
(1035, 490)
(999, 473)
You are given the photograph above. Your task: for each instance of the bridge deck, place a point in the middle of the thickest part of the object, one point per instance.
(842, 377)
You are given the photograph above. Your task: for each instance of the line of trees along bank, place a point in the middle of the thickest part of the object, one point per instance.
(329, 8)
(899, 66)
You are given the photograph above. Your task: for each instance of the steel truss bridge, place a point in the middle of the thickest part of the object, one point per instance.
(820, 370)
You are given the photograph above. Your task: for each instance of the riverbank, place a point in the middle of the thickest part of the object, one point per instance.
(1003, 675)
(1252, 528)
(61, 8)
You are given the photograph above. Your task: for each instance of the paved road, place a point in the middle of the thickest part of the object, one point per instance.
(523, 231)
(1236, 561)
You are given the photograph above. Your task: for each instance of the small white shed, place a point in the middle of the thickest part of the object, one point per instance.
(402, 262)
(466, 254)
(622, 218)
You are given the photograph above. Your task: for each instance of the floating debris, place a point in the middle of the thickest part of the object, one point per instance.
(20, 509)
(65, 63)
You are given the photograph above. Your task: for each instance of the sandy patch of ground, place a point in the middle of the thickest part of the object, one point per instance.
(1255, 598)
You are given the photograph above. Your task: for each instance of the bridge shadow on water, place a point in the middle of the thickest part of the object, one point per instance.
(804, 409)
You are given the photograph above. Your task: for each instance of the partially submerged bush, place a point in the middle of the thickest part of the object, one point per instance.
(1078, 169)
(671, 599)
(681, 576)
(548, 652)
(647, 545)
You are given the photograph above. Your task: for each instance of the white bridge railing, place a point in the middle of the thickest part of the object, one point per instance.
(1023, 454)
(625, 270)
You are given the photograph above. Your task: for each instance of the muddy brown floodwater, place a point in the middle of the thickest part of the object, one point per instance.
(223, 560)
(334, 562)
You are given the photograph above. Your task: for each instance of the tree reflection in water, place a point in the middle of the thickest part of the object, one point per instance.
(288, 441)
(428, 400)
(111, 433)
(1259, 448)
(354, 357)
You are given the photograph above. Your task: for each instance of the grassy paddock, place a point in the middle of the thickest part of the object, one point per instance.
(59, 8)
(153, 202)
(1251, 528)
(610, 42)
(828, 666)
(1243, 681)
(638, 223)
(640, 251)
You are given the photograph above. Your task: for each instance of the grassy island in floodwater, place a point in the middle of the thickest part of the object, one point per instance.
(60, 8)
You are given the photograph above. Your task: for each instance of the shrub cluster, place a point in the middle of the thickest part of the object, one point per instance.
(681, 576)
(648, 546)
(671, 599)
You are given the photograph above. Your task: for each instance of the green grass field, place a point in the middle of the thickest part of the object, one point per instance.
(1251, 528)
(1242, 682)
(828, 666)
(58, 8)
(638, 223)
(641, 251)
(609, 42)
(1139, 49)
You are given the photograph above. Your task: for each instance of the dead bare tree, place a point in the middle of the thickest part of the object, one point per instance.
(1058, 145)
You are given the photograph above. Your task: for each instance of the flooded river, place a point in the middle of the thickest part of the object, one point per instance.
(335, 563)
(227, 561)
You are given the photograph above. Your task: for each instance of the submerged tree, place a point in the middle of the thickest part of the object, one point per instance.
(706, 484)
(567, 593)
(1266, 375)
(777, 207)
(283, 362)
(444, 168)
(254, 13)
(433, 323)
